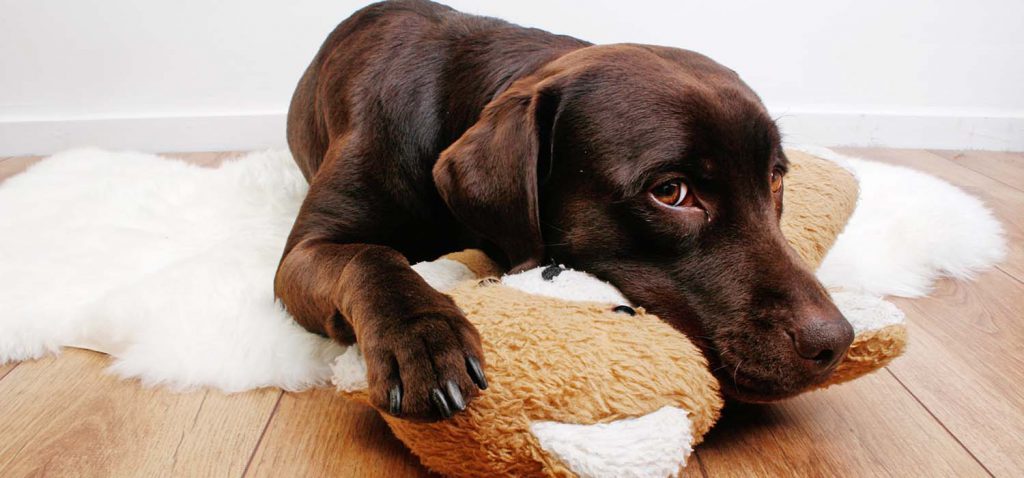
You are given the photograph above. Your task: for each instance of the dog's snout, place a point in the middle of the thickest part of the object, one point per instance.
(822, 338)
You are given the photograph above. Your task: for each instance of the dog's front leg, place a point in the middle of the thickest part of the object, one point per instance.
(423, 357)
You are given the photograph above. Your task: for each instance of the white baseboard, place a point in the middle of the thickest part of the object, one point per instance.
(267, 130)
(904, 131)
(150, 134)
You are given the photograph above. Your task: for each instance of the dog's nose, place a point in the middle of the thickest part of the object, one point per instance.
(822, 338)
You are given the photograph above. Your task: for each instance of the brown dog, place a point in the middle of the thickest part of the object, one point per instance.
(423, 131)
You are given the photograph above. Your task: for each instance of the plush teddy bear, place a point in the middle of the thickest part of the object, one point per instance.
(584, 384)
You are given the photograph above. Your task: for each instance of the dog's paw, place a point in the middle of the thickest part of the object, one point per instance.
(425, 368)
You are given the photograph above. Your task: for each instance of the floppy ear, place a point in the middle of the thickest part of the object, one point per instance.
(489, 176)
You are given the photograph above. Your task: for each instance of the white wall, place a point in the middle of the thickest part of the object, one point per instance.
(201, 75)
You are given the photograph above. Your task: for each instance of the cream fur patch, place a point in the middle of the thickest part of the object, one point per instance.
(442, 274)
(867, 312)
(349, 371)
(655, 445)
(568, 285)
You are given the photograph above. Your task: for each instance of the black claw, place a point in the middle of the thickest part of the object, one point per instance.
(624, 309)
(395, 400)
(455, 396)
(437, 396)
(476, 372)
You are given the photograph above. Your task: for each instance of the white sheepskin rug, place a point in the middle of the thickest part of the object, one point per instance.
(168, 267)
(909, 228)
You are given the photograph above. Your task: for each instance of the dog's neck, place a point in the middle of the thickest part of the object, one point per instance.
(484, 62)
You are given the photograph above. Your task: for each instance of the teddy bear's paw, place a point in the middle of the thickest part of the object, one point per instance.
(653, 445)
(867, 312)
(880, 335)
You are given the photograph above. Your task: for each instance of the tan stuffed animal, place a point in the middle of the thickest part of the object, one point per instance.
(581, 384)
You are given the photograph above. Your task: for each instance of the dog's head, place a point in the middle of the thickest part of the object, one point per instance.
(660, 171)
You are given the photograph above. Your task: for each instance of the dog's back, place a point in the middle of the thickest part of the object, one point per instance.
(412, 74)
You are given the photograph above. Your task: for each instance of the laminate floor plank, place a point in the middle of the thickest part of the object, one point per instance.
(319, 433)
(64, 416)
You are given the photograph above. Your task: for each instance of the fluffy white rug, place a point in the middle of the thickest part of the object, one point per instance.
(164, 265)
(909, 228)
(168, 267)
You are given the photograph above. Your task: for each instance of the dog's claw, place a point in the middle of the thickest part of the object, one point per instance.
(395, 400)
(624, 309)
(455, 396)
(476, 372)
(437, 396)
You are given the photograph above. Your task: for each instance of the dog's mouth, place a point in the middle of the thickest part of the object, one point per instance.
(770, 355)
(748, 388)
(748, 377)
(753, 382)
(760, 354)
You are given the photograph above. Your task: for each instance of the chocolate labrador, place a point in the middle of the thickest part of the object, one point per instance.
(422, 130)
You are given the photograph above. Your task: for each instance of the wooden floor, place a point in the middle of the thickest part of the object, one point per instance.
(952, 406)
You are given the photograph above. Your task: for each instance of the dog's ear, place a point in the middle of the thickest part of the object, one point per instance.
(489, 176)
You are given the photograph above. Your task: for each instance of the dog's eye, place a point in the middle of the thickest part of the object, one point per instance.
(671, 193)
(776, 180)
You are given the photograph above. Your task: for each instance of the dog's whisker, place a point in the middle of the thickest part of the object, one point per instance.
(548, 224)
(706, 344)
